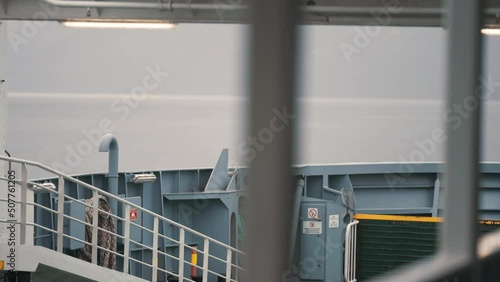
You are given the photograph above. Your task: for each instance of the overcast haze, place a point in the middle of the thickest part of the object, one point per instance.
(66, 81)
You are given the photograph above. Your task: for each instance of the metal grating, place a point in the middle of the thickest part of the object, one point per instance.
(388, 245)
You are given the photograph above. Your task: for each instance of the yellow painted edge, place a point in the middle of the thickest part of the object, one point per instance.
(489, 222)
(413, 218)
(398, 218)
(1, 264)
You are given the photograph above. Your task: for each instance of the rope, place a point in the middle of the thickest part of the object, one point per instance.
(104, 239)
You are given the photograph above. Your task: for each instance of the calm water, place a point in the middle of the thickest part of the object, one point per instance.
(171, 131)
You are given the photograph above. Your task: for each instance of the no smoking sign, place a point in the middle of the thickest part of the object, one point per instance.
(312, 213)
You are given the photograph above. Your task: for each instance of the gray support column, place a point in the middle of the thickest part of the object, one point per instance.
(3, 125)
(272, 102)
(299, 190)
(460, 231)
(437, 193)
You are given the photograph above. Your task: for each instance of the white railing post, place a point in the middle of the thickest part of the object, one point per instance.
(205, 259)
(154, 258)
(350, 252)
(355, 242)
(126, 242)
(95, 224)
(346, 254)
(181, 254)
(351, 270)
(60, 214)
(24, 197)
(229, 265)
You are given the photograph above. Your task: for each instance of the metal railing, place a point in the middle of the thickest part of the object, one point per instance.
(350, 252)
(229, 259)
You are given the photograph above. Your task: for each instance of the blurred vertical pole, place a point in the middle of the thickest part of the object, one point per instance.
(3, 124)
(272, 94)
(460, 228)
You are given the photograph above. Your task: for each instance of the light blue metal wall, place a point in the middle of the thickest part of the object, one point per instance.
(205, 199)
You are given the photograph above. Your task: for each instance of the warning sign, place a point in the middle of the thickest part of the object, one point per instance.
(333, 221)
(134, 214)
(312, 213)
(312, 227)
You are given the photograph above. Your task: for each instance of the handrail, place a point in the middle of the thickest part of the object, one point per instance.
(350, 252)
(96, 192)
(102, 192)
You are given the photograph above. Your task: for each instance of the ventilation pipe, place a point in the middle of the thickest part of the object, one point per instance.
(109, 143)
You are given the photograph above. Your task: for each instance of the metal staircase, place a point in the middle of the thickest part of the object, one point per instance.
(67, 216)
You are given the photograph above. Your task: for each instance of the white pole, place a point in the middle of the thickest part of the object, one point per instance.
(4, 232)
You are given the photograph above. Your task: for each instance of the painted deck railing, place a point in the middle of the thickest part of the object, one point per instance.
(23, 209)
(350, 252)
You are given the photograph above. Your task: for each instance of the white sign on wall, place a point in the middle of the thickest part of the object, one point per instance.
(312, 227)
(333, 221)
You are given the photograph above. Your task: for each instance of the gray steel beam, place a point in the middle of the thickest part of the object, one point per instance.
(272, 92)
(324, 12)
(459, 236)
(460, 232)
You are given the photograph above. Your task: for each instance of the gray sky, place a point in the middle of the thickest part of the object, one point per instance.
(65, 81)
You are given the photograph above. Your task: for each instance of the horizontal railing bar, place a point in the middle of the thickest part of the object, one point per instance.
(140, 244)
(42, 227)
(222, 260)
(76, 239)
(81, 202)
(238, 267)
(141, 262)
(193, 248)
(6, 200)
(108, 250)
(219, 259)
(168, 238)
(217, 274)
(168, 255)
(41, 236)
(19, 182)
(66, 235)
(110, 214)
(111, 196)
(197, 266)
(90, 206)
(118, 254)
(393, 186)
(77, 220)
(111, 233)
(142, 227)
(42, 207)
(13, 222)
(168, 272)
(174, 274)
